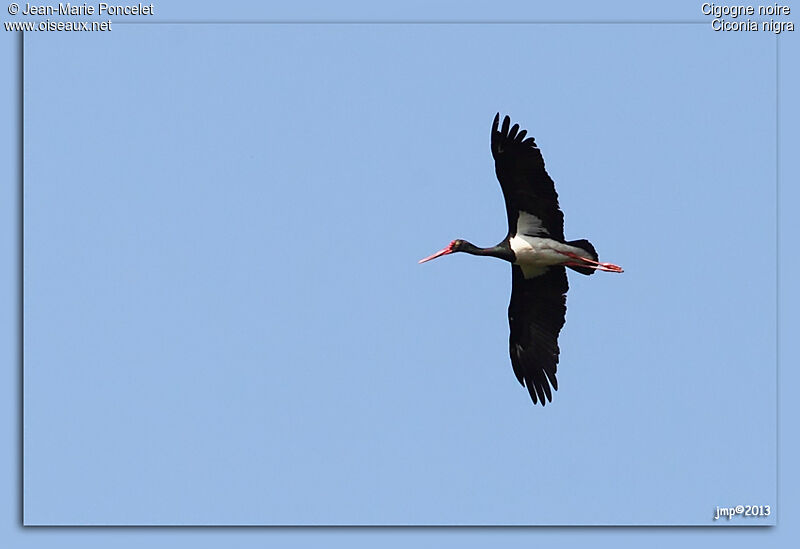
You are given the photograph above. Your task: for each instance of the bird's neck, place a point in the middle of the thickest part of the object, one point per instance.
(501, 251)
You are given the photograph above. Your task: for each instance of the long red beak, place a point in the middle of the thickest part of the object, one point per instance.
(440, 253)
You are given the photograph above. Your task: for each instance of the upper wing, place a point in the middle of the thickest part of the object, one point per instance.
(536, 315)
(526, 186)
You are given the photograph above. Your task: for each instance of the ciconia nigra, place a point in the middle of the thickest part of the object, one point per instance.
(538, 254)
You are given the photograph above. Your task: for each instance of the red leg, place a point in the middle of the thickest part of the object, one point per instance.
(592, 264)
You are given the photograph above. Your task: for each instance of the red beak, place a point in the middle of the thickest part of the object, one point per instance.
(440, 253)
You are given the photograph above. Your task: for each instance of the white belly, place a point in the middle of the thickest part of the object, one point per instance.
(535, 254)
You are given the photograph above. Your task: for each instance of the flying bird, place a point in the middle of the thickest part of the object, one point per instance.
(538, 253)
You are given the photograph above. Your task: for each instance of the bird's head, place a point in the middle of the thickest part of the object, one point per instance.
(454, 246)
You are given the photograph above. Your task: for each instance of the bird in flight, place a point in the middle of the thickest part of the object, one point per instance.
(538, 253)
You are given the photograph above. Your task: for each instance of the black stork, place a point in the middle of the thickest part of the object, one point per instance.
(538, 254)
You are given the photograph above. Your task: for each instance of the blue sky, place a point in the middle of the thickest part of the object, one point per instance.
(349, 384)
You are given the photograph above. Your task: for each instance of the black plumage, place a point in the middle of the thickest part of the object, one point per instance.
(538, 306)
(526, 185)
(536, 314)
(539, 255)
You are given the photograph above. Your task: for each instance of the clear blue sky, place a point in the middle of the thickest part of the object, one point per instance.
(212, 338)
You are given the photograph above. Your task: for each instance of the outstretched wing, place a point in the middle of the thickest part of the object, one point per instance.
(530, 194)
(536, 315)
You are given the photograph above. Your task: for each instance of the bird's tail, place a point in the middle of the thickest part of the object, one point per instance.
(586, 246)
